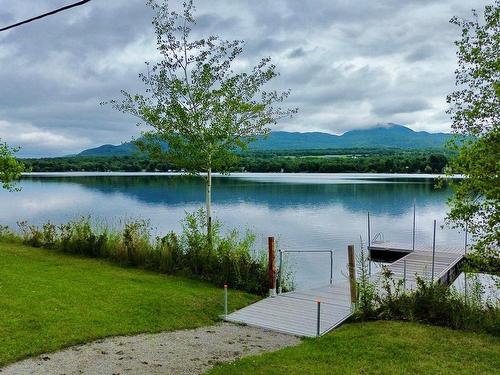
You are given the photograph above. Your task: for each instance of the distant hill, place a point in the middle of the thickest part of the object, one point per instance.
(380, 136)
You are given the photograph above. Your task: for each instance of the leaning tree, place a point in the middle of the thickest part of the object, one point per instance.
(199, 101)
(475, 113)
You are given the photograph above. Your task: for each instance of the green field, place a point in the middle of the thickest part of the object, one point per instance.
(380, 348)
(50, 300)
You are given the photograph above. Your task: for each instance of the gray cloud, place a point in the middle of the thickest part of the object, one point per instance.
(349, 66)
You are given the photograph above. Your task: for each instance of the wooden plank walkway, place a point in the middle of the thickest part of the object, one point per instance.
(296, 312)
(392, 246)
(419, 263)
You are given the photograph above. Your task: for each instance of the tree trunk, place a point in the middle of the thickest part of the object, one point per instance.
(209, 204)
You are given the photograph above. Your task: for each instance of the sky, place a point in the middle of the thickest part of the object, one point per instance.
(349, 64)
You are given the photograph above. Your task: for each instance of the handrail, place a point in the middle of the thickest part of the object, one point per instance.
(304, 251)
(380, 236)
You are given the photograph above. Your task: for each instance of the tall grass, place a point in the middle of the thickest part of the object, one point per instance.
(431, 303)
(221, 259)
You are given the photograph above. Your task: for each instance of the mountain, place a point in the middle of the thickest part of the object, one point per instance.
(380, 136)
(125, 149)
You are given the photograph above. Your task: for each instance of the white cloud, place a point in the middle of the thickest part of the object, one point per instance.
(34, 141)
(349, 66)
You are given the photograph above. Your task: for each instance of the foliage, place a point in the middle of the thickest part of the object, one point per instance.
(51, 300)
(431, 303)
(475, 112)
(378, 348)
(365, 289)
(223, 259)
(10, 167)
(197, 100)
(324, 161)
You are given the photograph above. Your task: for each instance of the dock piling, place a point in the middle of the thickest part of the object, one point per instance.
(279, 272)
(433, 251)
(465, 243)
(272, 269)
(369, 234)
(404, 273)
(318, 318)
(225, 301)
(331, 267)
(352, 274)
(414, 223)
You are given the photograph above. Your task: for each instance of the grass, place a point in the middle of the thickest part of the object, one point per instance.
(380, 347)
(50, 300)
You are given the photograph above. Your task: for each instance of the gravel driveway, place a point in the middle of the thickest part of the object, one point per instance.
(179, 352)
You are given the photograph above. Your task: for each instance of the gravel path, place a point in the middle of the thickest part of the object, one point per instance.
(179, 352)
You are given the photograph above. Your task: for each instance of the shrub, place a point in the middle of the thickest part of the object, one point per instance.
(220, 258)
(431, 303)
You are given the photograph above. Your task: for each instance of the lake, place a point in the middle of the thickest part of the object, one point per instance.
(303, 211)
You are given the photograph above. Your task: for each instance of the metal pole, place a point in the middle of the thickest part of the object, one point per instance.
(279, 272)
(331, 267)
(404, 273)
(413, 242)
(369, 235)
(318, 318)
(369, 265)
(465, 273)
(465, 287)
(433, 251)
(225, 300)
(466, 233)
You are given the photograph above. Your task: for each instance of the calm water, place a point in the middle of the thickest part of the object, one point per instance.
(304, 211)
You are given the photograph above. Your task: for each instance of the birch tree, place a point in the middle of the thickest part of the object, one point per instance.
(198, 101)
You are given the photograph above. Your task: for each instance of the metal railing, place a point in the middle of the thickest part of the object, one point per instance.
(379, 238)
(302, 251)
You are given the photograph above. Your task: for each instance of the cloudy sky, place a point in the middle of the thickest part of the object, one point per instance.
(350, 64)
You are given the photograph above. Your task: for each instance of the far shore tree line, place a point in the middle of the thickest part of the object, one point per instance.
(208, 110)
(391, 161)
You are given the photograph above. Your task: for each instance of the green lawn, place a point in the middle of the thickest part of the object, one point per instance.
(50, 300)
(380, 348)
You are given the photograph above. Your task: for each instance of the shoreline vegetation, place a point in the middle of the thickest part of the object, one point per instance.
(219, 258)
(429, 161)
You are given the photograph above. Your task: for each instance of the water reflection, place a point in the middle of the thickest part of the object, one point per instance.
(302, 211)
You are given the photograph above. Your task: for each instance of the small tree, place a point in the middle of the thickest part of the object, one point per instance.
(475, 112)
(197, 102)
(10, 167)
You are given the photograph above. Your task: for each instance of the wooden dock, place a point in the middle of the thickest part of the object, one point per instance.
(296, 312)
(419, 263)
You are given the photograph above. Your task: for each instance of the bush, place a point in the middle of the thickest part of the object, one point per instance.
(431, 303)
(220, 259)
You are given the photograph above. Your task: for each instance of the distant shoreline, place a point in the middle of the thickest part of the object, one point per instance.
(243, 174)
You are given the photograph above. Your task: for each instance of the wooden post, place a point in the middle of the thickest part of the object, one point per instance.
(272, 269)
(352, 273)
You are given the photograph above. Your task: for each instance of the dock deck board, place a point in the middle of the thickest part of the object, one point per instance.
(296, 312)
